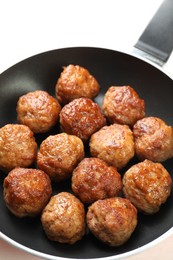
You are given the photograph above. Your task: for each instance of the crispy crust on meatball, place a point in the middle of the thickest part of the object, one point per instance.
(153, 139)
(17, 147)
(147, 185)
(93, 179)
(75, 82)
(63, 219)
(38, 110)
(81, 117)
(112, 220)
(122, 105)
(59, 155)
(114, 144)
(26, 191)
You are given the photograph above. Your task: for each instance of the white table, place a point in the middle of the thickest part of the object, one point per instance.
(31, 27)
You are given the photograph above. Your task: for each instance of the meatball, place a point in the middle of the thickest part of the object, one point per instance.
(153, 139)
(59, 155)
(38, 110)
(63, 219)
(114, 144)
(122, 105)
(17, 147)
(147, 185)
(112, 220)
(75, 82)
(93, 179)
(81, 117)
(26, 191)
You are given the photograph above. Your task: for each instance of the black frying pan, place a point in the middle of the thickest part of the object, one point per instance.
(110, 68)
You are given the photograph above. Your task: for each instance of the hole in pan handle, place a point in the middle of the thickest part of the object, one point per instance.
(156, 42)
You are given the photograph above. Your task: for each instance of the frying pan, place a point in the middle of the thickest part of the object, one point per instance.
(109, 68)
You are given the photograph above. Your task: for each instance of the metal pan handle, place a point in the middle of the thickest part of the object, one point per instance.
(156, 42)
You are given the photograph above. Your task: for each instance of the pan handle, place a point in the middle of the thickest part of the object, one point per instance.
(156, 42)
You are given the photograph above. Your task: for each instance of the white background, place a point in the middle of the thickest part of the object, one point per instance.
(31, 27)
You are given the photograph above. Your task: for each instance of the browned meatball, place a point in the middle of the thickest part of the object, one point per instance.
(122, 105)
(114, 144)
(112, 220)
(38, 110)
(81, 117)
(59, 155)
(93, 179)
(75, 82)
(153, 139)
(147, 185)
(63, 219)
(17, 147)
(27, 191)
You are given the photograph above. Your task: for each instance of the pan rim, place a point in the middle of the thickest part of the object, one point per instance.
(136, 251)
(131, 53)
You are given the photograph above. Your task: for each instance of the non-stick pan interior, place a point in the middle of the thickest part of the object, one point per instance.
(109, 68)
